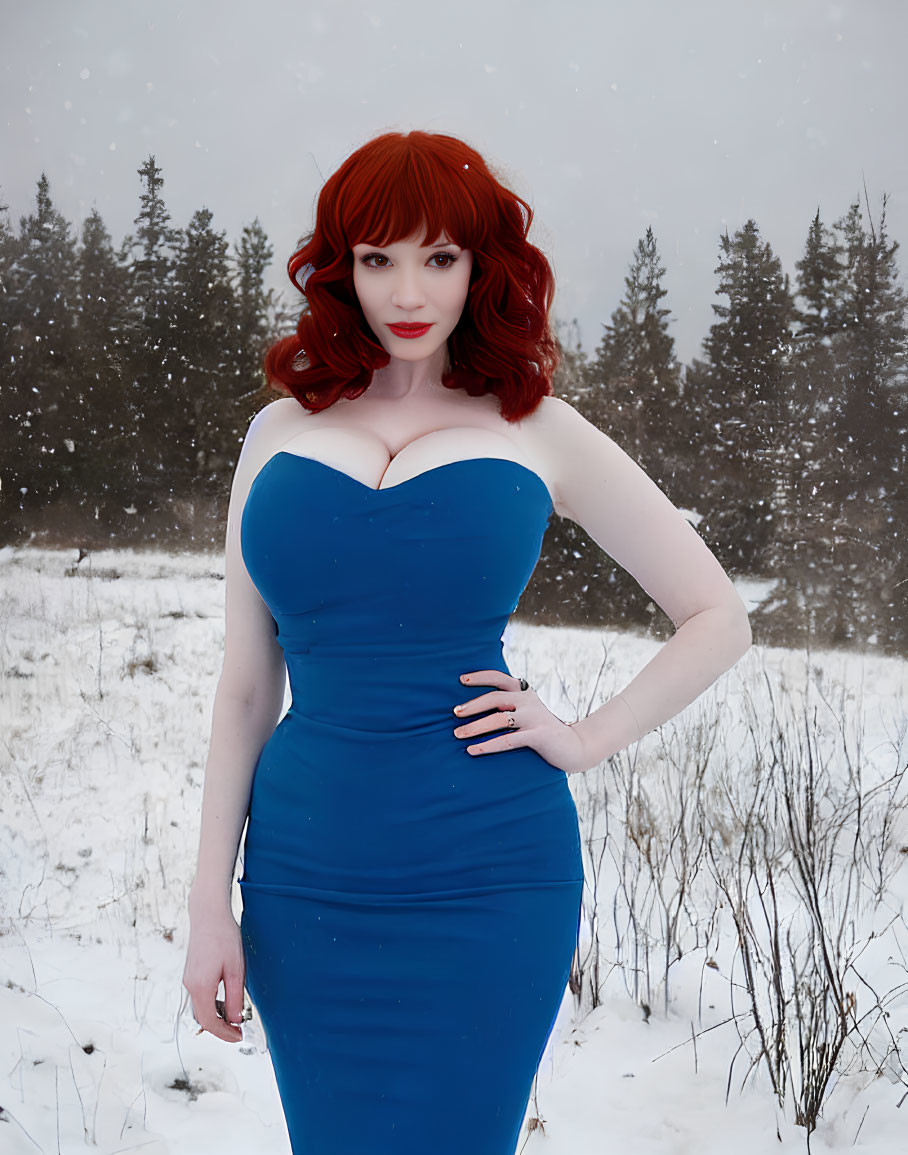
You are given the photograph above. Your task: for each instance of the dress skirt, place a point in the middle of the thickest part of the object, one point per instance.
(411, 1024)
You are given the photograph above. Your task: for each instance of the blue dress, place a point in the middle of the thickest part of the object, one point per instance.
(410, 910)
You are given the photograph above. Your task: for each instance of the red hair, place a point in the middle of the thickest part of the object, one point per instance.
(397, 186)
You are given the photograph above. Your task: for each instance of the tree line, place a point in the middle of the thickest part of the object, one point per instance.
(785, 442)
(130, 375)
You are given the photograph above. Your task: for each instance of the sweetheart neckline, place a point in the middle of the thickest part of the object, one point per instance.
(416, 476)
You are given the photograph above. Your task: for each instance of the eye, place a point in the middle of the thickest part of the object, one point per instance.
(449, 260)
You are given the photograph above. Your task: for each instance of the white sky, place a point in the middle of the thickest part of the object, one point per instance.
(606, 116)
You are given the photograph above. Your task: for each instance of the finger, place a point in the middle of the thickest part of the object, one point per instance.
(205, 1012)
(209, 1020)
(510, 741)
(493, 700)
(495, 721)
(233, 997)
(497, 678)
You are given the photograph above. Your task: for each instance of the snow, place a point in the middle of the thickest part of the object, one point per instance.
(109, 670)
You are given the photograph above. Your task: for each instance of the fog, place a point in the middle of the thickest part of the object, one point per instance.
(608, 117)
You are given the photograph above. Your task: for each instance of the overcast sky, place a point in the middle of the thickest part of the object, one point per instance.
(688, 116)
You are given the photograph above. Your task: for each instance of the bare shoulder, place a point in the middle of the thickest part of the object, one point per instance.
(574, 452)
(273, 425)
(274, 418)
(555, 417)
(265, 433)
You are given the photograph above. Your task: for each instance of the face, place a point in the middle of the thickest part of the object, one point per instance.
(420, 287)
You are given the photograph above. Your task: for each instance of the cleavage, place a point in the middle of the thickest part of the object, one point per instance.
(339, 446)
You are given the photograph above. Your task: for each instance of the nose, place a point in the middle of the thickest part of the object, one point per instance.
(408, 291)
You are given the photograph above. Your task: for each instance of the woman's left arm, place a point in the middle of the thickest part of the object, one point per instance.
(601, 488)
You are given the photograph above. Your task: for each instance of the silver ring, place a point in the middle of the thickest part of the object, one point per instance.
(512, 721)
(524, 684)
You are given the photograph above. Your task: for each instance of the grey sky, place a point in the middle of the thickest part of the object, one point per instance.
(606, 116)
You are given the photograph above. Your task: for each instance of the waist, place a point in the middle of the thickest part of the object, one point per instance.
(386, 691)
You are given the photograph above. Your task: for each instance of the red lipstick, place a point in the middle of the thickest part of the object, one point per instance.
(409, 329)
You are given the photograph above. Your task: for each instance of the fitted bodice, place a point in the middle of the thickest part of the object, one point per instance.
(373, 591)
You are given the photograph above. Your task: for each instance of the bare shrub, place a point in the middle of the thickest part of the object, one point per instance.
(586, 979)
(804, 863)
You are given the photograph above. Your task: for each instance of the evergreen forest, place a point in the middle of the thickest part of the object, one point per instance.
(129, 375)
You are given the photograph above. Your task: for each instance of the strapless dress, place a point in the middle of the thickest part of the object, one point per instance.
(410, 910)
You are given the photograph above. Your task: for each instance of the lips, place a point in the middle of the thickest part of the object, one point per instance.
(409, 330)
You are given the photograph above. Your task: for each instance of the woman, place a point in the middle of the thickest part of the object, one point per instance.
(410, 904)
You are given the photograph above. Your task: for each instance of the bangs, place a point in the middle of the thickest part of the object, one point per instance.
(411, 193)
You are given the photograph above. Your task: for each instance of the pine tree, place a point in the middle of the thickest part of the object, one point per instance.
(870, 354)
(635, 362)
(156, 423)
(9, 401)
(740, 392)
(870, 348)
(40, 338)
(802, 606)
(252, 256)
(819, 274)
(101, 422)
(262, 315)
(152, 267)
(206, 319)
(9, 251)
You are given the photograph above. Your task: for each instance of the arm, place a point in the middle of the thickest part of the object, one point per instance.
(250, 690)
(247, 706)
(601, 488)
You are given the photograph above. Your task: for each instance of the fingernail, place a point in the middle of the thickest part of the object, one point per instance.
(464, 677)
(457, 709)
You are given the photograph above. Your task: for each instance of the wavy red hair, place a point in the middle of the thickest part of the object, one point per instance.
(403, 185)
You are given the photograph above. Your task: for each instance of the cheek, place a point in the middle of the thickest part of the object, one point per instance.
(459, 296)
(362, 287)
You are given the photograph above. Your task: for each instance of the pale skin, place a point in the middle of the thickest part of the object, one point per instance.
(405, 424)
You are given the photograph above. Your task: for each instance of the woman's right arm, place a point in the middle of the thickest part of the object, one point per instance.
(247, 706)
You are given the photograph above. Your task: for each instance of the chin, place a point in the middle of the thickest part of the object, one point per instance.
(416, 355)
(410, 352)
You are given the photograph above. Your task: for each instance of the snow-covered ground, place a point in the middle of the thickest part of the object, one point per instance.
(108, 675)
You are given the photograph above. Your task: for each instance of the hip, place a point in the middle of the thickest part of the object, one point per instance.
(355, 811)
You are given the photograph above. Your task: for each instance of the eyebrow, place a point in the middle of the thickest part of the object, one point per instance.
(438, 245)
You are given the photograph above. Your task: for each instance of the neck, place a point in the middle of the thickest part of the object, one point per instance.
(401, 378)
